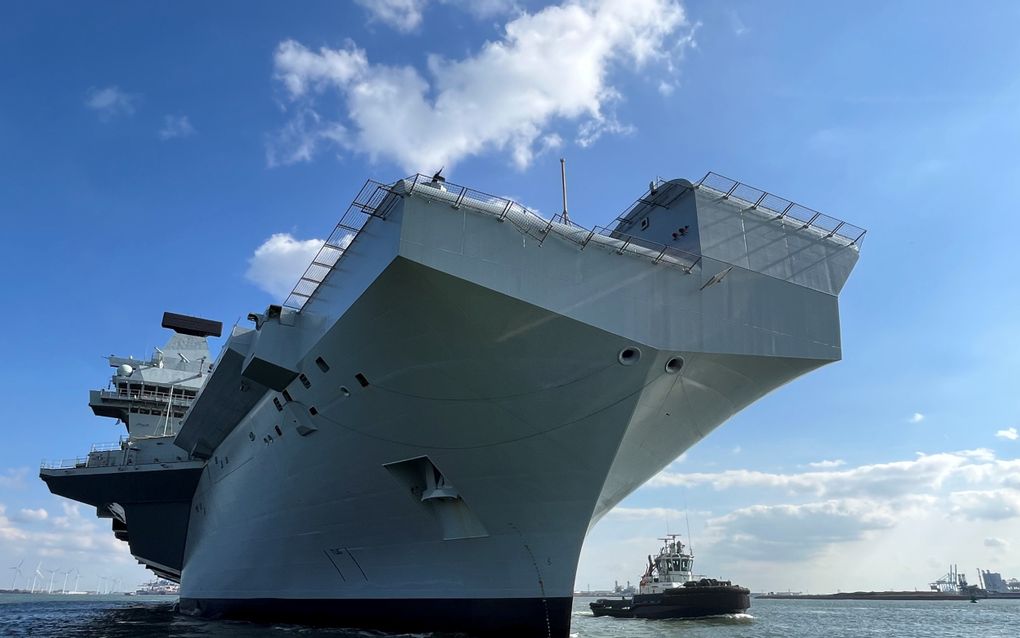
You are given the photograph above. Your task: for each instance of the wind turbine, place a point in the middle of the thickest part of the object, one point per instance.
(53, 572)
(77, 575)
(63, 590)
(36, 575)
(17, 572)
(102, 585)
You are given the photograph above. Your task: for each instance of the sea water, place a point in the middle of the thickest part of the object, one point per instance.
(147, 617)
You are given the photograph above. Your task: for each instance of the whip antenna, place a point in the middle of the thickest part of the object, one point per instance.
(563, 181)
(690, 541)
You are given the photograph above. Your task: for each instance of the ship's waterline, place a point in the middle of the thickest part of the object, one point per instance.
(460, 390)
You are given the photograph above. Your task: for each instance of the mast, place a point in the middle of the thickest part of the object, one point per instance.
(563, 183)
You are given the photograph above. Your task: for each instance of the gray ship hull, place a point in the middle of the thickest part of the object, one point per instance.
(426, 443)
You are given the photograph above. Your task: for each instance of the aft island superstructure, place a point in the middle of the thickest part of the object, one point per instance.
(457, 388)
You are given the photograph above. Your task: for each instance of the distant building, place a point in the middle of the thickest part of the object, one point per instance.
(993, 582)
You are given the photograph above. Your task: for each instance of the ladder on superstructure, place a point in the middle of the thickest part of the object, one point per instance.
(371, 201)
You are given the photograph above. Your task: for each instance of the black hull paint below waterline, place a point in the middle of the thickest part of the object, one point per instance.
(489, 617)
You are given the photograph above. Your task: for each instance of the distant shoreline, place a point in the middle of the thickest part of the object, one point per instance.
(888, 595)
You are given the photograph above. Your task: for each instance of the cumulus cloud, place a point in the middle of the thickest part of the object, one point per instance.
(996, 543)
(794, 532)
(28, 514)
(13, 477)
(827, 465)
(301, 138)
(550, 66)
(402, 15)
(991, 505)
(641, 513)
(407, 15)
(897, 478)
(110, 101)
(176, 126)
(280, 261)
(484, 8)
(8, 531)
(916, 417)
(1009, 433)
(69, 535)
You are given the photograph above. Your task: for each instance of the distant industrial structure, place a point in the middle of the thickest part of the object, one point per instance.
(993, 582)
(952, 585)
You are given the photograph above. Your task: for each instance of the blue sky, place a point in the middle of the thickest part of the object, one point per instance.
(181, 156)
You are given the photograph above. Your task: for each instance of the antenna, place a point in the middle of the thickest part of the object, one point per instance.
(563, 181)
(690, 540)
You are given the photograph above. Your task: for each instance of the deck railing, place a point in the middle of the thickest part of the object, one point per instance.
(376, 199)
(158, 397)
(368, 203)
(782, 208)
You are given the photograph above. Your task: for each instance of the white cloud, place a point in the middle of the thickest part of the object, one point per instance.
(792, 532)
(27, 514)
(8, 531)
(402, 15)
(916, 417)
(827, 465)
(996, 543)
(407, 15)
(110, 101)
(897, 478)
(739, 28)
(640, 513)
(13, 477)
(992, 505)
(280, 261)
(176, 126)
(482, 9)
(550, 66)
(301, 138)
(1009, 433)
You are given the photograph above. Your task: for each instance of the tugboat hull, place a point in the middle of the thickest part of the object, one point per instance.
(692, 602)
(682, 602)
(621, 608)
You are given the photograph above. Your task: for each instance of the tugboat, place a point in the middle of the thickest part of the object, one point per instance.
(668, 589)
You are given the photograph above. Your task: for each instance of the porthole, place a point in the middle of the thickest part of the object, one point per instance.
(319, 361)
(629, 356)
(644, 223)
(251, 436)
(304, 381)
(344, 391)
(362, 380)
(279, 432)
(674, 365)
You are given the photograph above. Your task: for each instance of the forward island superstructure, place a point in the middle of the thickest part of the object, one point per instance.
(456, 388)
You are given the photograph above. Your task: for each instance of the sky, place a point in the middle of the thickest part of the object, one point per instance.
(191, 156)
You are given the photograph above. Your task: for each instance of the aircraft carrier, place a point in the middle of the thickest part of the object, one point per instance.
(457, 389)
